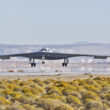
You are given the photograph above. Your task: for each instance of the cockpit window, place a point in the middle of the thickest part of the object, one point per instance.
(45, 50)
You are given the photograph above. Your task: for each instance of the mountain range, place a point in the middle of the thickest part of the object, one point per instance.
(85, 48)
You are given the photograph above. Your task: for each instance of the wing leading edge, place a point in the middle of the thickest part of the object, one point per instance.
(51, 56)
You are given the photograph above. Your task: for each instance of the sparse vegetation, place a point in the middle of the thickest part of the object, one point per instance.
(36, 94)
(20, 71)
(10, 71)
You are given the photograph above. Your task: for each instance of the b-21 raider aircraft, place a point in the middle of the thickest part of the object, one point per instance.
(47, 54)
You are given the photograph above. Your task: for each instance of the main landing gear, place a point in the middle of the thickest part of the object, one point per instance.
(66, 62)
(32, 61)
(33, 64)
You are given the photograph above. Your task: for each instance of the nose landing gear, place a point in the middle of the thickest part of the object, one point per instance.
(43, 59)
(43, 62)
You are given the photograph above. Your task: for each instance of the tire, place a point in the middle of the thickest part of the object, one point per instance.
(66, 64)
(63, 64)
(43, 62)
(34, 64)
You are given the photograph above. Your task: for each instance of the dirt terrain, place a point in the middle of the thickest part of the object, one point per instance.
(65, 77)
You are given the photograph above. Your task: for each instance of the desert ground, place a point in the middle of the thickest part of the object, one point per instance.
(63, 77)
(23, 66)
(80, 86)
(55, 92)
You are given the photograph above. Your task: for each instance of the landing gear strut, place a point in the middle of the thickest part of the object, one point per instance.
(43, 59)
(66, 62)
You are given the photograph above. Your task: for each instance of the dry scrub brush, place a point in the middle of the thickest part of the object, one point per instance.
(36, 94)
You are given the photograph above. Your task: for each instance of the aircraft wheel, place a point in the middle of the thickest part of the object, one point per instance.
(43, 62)
(63, 64)
(32, 65)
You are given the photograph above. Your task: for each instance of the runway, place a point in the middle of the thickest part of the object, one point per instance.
(52, 67)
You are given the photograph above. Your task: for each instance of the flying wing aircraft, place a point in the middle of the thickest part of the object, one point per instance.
(47, 54)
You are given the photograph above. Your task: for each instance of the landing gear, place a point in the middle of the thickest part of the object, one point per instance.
(33, 64)
(43, 62)
(66, 62)
(43, 59)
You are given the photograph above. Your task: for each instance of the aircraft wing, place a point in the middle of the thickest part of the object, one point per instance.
(64, 55)
(51, 56)
(28, 55)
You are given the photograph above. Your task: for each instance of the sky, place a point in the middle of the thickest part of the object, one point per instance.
(54, 21)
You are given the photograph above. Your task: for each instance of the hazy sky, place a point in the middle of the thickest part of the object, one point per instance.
(54, 21)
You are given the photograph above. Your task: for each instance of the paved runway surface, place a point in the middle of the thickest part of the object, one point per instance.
(52, 67)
